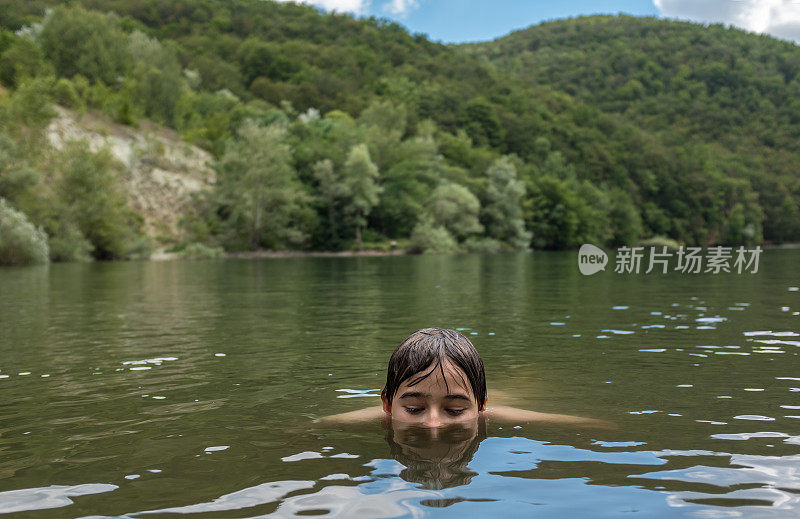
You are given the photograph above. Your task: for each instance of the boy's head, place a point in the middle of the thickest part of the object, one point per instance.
(435, 377)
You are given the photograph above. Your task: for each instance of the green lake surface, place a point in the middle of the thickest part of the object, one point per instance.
(175, 389)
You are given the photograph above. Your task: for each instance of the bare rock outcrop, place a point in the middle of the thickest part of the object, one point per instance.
(160, 171)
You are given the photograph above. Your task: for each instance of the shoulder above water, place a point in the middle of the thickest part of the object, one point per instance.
(498, 413)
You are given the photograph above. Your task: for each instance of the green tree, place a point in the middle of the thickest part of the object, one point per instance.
(159, 80)
(263, 202)
(21, 243)
(29, 108)
(84, 42)
(429, 237)
(482, 123)
(788, 221)
(331, 190)
(69, 244)
(744, 221)
(502, 211)
(407, 183)
(385, 124)
(455, 208)
(22, 59)
(360, 177)
(259, 58)
(65, 94)
(549, 214)
(16, 176)
(624, 219)
(92, 201)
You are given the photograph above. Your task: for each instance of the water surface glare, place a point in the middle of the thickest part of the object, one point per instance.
(180, 389)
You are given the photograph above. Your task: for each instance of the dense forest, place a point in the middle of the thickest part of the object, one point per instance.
(735, 92)
(330, 132)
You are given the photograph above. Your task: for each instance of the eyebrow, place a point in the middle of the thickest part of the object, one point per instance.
(417, 394)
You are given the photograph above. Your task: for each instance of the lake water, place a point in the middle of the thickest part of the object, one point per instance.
(188, 388)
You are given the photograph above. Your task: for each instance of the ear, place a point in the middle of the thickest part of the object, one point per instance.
(387, 406)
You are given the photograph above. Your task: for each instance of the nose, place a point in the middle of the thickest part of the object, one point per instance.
(433, 419)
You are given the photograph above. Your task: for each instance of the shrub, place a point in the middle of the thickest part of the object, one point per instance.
(428, 237)
(92, 195)
(199, 251)
(15, 182)
(139, 248)
(23, 59)
(30, 104)
(64, 93)
(84, 42)
(21, 243)
(454, 207)
(68, 244)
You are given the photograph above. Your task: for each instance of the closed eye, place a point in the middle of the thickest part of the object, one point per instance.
(455, 412)
(413, 410)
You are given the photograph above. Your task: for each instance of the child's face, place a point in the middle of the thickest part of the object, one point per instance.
(431, 402)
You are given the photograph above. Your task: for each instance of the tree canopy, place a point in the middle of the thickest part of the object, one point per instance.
(332, 132)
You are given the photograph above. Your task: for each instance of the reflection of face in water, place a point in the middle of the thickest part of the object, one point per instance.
(436, 457)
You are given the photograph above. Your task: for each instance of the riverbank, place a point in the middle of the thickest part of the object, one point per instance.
(170, 256)
(313, 254)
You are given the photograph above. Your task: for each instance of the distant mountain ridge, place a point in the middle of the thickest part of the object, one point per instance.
(735, 90)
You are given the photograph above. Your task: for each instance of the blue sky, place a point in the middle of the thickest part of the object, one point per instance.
(456, 21)
(478, 20)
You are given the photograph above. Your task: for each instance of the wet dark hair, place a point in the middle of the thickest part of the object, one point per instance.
(432, 346)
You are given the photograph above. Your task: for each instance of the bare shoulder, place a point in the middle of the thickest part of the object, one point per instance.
(513, 414)
(360, 415)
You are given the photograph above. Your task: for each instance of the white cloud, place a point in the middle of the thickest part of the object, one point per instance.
(779, 18)
(400, 7)
(341, 6)
(396, 7)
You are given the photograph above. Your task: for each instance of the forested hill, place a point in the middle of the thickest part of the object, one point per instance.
(686, 82)
(607, 130)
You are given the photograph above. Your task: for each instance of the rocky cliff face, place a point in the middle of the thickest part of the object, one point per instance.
(161, 172)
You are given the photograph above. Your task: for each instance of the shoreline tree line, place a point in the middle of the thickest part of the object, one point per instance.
(333, 133)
